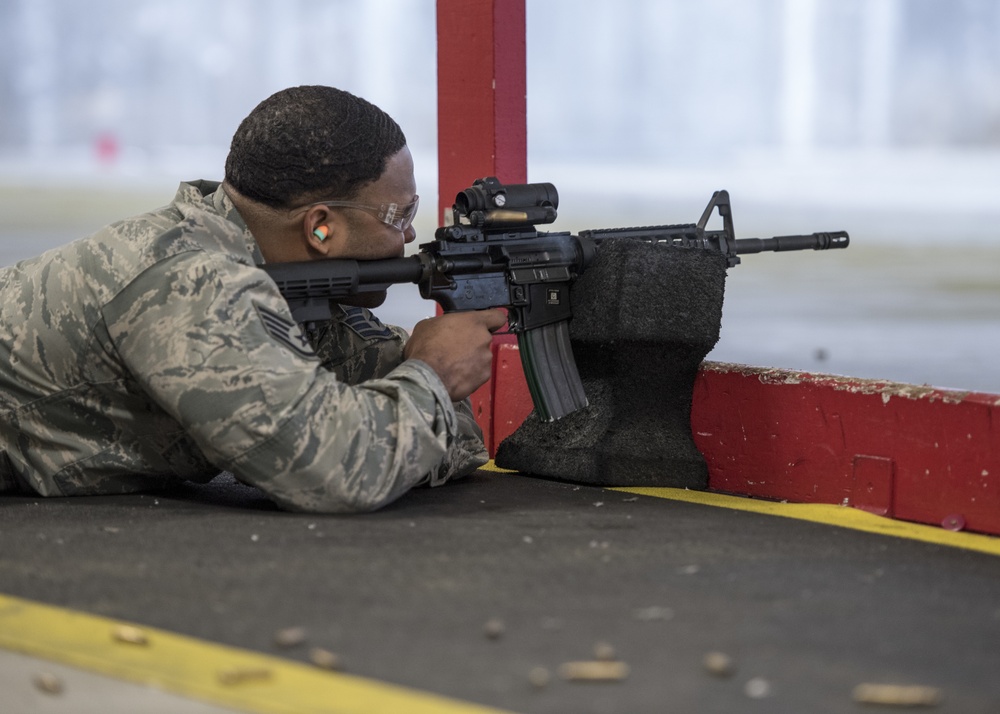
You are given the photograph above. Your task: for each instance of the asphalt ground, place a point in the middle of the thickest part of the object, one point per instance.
(472, 590)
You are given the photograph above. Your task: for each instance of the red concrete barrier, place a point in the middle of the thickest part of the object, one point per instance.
(904, 451)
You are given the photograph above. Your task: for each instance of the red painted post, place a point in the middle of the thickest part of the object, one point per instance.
(482, 115)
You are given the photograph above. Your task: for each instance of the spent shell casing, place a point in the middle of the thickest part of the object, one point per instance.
(325, 659)
(130, 635)
(539, 677)
(494, 628)
(290, 636)
(238, 674)
(604, 651)
(48, 683)
(899, 695)
(719, 664)
(593, 671)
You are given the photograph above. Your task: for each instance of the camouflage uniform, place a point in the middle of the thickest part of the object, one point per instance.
(155, 351)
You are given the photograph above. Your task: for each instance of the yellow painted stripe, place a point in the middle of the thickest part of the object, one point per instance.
(841, 516)
(197, 669)
(493, 468)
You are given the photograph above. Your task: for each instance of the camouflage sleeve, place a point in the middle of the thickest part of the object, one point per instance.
(213, 343)
(357, 347)
(467, 452)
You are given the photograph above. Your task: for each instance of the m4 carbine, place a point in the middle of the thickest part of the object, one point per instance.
(492, 256)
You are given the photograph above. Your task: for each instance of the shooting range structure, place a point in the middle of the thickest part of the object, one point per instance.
(903, 451)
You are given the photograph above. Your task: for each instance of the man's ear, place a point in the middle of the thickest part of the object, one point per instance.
(317, 239)
(322, 230)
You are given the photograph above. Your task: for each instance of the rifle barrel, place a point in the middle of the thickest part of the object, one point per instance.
(813, 241)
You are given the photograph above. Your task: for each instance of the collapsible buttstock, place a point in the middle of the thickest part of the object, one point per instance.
(550, 370)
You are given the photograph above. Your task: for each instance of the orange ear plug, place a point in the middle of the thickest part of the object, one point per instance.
(321, 233)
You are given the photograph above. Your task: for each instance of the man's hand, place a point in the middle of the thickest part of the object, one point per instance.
(457, 347)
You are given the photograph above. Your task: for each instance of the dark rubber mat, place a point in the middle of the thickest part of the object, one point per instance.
(805, 611)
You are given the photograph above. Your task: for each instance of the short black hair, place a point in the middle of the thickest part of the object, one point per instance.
(308, 143)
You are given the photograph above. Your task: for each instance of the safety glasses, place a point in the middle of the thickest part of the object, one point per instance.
(396, 215)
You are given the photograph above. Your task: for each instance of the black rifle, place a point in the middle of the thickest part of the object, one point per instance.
(492, 256)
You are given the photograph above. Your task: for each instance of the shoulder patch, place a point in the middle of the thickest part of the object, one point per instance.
(365, 324)
(285, 331)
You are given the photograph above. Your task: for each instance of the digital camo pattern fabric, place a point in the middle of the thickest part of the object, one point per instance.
(357, 347)
(140, 356)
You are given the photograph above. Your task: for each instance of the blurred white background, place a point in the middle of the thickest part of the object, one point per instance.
(880, 117)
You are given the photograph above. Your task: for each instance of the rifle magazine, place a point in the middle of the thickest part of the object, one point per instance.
(550, 370)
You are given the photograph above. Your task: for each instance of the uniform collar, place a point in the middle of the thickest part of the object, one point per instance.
(227, 209)
(211, 196)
